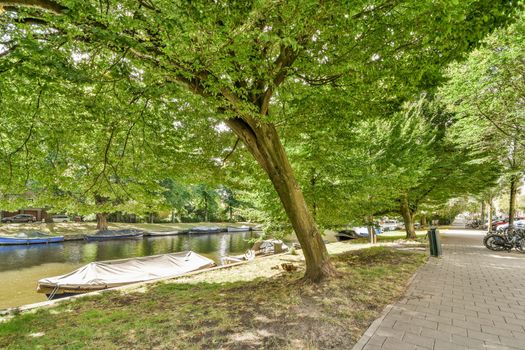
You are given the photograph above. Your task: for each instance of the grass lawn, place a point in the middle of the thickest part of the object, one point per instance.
(280, 312)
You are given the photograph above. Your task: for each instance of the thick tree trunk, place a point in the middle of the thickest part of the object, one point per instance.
(102, 221)
(264, 144)
(408, 218)
(514, 186)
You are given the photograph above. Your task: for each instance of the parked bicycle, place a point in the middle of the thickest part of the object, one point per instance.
(506, 240)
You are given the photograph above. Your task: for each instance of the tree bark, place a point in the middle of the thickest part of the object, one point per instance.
(514, 186)
(490, 215)
(205, 209)
(423, 221)
(263, 142)
(408, 218)
(371, 230)
(102, 221)
(482, 213)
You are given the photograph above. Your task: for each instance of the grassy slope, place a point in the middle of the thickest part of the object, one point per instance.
(276, 313)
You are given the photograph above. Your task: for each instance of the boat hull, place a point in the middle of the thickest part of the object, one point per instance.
(25, 241)
(103, 275)
(207, 230)
(239, 229)
(110, 237)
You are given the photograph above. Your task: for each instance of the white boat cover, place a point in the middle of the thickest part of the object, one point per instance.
(113, 273)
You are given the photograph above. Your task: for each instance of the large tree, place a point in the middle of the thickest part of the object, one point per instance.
(236, 55)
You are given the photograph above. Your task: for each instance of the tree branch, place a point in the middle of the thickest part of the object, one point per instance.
(233, 150)
(47, 5)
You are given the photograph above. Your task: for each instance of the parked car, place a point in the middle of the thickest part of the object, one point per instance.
(60, 218)
(389, 225)
(499, 225)
(20, 218)
(518, 223)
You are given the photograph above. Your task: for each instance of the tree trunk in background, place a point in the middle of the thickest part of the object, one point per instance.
(482, 213)
(424, 221)
(514, 186)
(408, 218)
(313, 181)
(102, 221)
(371, 230)
(489, 215)
(263, 142)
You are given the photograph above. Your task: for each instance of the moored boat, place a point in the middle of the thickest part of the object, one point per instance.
(30, 238)
(114, 273)
(117, 234)
(207, 229)
(243, 228)
(345, 235)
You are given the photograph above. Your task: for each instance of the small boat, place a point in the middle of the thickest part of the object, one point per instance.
(238, 228)
(346, 235)
(114, 273)
(162, 233)
(207, 229)
(355, 232)
(30, 238)
(120, 234)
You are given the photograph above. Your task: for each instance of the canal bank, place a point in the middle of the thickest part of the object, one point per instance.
(22, 266)
(254, 305)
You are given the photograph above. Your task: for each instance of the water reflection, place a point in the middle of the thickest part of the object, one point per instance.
(215, 246)
(22, 266)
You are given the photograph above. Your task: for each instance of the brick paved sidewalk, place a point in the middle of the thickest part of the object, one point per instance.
(471, 298)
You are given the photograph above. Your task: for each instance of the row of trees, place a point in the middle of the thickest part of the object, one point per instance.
(104, 99)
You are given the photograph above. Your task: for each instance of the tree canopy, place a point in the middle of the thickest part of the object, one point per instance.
(238, 61)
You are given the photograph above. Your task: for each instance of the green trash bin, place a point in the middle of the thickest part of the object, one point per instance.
(434, 242)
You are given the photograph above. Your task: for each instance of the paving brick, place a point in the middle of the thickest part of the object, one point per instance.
(471, 343)
(440, 319)
(482, 336)
(376, 340)
(407, 327)
(390, 332)
(425, 323)
(436, 334)
(427, 342)
(496, 331)
(452, 329)
(518, 343)
(394, 344)
(443, 345)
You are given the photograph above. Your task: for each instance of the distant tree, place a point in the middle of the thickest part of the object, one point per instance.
(487, 94)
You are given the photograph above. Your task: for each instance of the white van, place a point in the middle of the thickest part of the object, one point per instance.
(389, 225)
(60, 218)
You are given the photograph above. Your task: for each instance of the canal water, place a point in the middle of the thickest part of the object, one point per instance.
(22, 266)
